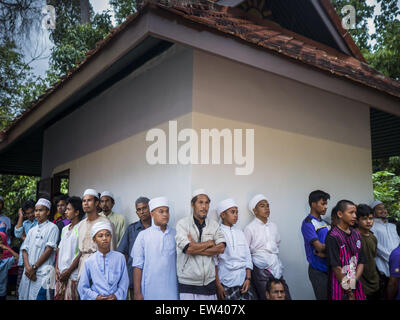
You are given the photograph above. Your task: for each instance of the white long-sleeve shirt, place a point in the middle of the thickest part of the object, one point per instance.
(264, 239)
(388, 240)
(232, 264)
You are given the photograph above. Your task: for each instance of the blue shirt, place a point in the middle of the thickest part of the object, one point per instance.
(314, 229)
(154, 252)
(26, 226)
(104, 275)
(126, 245)
(5, 265)
(394, 267)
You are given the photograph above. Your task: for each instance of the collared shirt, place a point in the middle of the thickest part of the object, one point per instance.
(154, 252)
(5, 226)
(312, 230)
(104, 275)
(126, 245)
(26, 226)
(38, 239)
(232, 264)
(119, 224)
(264, 239)
(86, 244)
(5, 265)
(394, 265)
(68, 249)
(388, 240)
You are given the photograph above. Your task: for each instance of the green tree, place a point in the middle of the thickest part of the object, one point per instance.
(387, 190)
(122, 9)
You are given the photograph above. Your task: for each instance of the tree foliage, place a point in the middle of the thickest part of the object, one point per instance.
(122, 9)
(387, 190)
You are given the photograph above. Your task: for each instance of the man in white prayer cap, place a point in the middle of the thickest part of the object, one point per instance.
(107, 202)
(234, 265)
(198, 239)
(263, 238)
(154, 257)
(87, 246)
(38, 250)
(388, 240)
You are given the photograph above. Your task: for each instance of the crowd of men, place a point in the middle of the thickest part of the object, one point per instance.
(85, 251)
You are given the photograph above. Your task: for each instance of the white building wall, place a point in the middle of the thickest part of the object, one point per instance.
(305, 139)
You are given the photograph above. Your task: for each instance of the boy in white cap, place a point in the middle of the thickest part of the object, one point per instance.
(38, 251)
(107, 202)
(263, 238)
(154, 257)
(87, 246)
(233, 267)
(388, 240)
(198, 239)
(104, 275)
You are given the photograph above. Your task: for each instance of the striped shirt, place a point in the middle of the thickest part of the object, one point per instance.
(344, 250)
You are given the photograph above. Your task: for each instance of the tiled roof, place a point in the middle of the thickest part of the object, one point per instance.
(264, 34)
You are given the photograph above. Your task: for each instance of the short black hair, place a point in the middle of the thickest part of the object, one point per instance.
(28, 204)
(141, 200)
(61, 197)
(76, 203)
(342, 205)
(317, 195)
(273, 281)
(364, 210)
(334, 213)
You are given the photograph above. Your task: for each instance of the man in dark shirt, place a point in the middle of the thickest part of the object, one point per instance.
(130, 235)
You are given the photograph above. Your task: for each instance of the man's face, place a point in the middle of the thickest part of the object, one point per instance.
(366, 223)
(201, 206)
(70, 212)
(41, 213)
(89, 203)
(349, 215)
(106, 204)
(262, 210)
(160, 216)
(103, 240)
(61, 207)
(380, 211)
(230, 216)
(143, 212)
(277, 292)
(29, 214)
(320, 206)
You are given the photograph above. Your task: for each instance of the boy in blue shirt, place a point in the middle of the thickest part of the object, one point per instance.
(314, 231)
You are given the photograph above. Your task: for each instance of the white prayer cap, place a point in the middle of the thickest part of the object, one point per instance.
(197, 192)
(43, 202)
(108, 194)
(375, 203)
(158, 202)
(225, 205)
(91, 192)
(256, 199)
(102, 225)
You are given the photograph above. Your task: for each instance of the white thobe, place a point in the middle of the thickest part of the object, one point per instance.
(154, 252)
(39, 237)
(232, 264)
(388, 240)
(264, 239)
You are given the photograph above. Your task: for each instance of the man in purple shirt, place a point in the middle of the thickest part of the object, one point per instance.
(393, 288)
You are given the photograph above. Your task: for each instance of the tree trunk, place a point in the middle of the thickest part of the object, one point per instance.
(85, 6)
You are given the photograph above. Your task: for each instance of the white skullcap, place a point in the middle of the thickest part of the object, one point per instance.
(225, 204)
(102, 225)
(43, 202)
(108, 194)
(91, 192)
(375, 203)
(197, 192)
(256, 199)
(158, 202)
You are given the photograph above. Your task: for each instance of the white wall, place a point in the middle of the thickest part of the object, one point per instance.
(305, 139)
